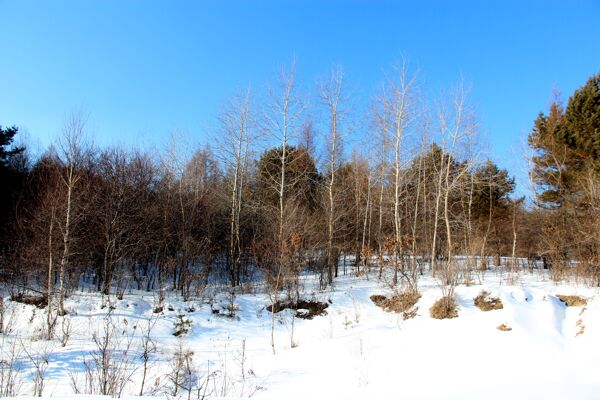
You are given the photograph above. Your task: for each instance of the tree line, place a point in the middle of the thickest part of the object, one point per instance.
(280, 192)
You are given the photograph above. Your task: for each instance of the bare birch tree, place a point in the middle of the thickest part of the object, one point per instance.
(282, 121)
(401, 105)
(332, 94)
(456, 127)
(72, 153)
(237, 131)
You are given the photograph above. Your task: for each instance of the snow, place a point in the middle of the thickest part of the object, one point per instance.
(357, 350)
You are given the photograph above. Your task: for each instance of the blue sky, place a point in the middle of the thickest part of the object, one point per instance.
(143, 69)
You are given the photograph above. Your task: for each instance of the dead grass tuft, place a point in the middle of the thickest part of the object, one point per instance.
(485, 302)
(410, 313)
(572, 301)
(443, 308)
(581, 327)
(378, 299)
(504, 328)
(399, 303)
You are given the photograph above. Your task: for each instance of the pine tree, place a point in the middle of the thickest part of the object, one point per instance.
(550, 159)
(7, 136)
(11, 174)
(567, 146)
(580, 128)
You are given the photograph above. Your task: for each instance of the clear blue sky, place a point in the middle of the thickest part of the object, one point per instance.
(145, 68)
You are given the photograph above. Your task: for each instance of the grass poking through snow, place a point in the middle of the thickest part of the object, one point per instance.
(572, 301)
(485, 302)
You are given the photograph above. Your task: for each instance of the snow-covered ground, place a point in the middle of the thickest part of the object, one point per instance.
(356, 351)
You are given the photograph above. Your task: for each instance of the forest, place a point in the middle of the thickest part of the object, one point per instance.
(273, 196)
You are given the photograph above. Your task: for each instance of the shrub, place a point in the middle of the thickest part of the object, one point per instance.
(378, 299)
(572, 301)
(444, 307)
(399, 303)
(485, 302)
(38, 301)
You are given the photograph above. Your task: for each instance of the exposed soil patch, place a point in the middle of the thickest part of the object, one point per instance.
(485, 302)
(304, 309)
(572, 301)
(399, 303)
(504, 328)
(443, 308)
(38, 301)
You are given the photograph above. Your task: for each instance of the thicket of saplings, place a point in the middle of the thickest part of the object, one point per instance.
(279, 194)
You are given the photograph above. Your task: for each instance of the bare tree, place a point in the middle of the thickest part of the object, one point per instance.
(236, 134)
(400, 114)
(51, 314)
(72, 153)
(456, 128)
(381, 122)
(334, 98)
(281, 122)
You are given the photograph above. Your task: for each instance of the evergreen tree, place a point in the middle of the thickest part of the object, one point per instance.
(550, 159)
(567, 144)
(303, 179)
(7, 136)
(492, 188)
(12, 173)
(580, 127)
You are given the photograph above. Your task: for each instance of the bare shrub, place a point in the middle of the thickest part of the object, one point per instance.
(572, 300)
(443, 308)
(148, 348)
(110, 366)
(185, 377)
(485, 302)
(40, 361)
(66, 331)
(10, 368)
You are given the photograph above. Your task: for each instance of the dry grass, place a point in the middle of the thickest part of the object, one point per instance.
(485, 302)
(581, 327)
(410, 313)
(572, 301)
(504, 328)
(399, 303)
(378, 299)
(443, 308)
(304, 309)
